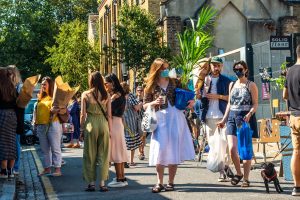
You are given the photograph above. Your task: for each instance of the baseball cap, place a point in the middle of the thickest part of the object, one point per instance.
(217, 60)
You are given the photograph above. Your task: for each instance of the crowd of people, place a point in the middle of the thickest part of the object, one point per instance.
(108, 118)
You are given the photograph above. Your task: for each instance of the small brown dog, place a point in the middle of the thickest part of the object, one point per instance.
(269, 174)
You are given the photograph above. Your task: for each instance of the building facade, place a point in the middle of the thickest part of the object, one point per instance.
(108, 18)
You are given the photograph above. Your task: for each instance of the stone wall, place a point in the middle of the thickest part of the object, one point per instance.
(172, 26)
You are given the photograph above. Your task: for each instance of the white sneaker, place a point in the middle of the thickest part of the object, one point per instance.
(116, 184)
(126, 183)
(3, 176)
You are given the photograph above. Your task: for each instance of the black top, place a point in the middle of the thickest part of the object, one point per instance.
(118, 106)
(293, 86)
(8, 105)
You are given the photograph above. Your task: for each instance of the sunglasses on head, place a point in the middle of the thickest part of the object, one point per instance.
(238, 70)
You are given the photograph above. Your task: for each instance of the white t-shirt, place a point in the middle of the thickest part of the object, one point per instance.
(213, 108)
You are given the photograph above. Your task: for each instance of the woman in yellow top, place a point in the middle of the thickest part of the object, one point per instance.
(49, 129)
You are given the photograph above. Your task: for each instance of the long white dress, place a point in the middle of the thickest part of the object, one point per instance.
(171, 142)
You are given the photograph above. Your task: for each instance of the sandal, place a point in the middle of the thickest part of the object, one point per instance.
(56, 174)
(142, 156)
(229, 172)
(245, 183)
(103, 189)
(132, 164)
(157, 188)
(170, 187)
(45, 173)
(90, 188)
(236, 179)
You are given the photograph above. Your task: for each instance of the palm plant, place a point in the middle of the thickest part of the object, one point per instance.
(194, 43)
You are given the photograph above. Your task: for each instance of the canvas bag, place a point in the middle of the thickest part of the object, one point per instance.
(149, 121)
(217, 152)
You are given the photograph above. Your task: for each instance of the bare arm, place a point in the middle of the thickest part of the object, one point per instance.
(83, 111)
(109, 115)
(285, 94)
(254, 95)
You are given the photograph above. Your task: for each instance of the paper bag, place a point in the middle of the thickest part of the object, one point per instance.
(63, 93)
(27, 90)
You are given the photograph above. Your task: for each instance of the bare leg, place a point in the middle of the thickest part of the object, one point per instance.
(160, 173)
(247, 167)
(120, 174)
(118, 167)
(10, 164)
(172, 172)
(232, 145)
(3, 164)
(295, 163)
(132, 156)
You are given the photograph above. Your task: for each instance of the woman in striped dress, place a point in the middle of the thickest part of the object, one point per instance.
(132, 136)
(8, 122)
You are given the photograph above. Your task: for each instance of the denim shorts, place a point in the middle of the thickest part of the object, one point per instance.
(236, 118)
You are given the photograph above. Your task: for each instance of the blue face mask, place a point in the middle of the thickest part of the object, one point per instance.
(164, 73)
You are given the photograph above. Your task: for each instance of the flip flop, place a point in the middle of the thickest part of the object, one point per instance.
(56, 174)
(44, 173)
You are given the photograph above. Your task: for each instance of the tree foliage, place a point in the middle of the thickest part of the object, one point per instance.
(139, 39)
(27, 27)
(194, 43)
(72, 55)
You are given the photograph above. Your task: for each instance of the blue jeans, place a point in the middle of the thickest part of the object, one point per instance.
(17, 161)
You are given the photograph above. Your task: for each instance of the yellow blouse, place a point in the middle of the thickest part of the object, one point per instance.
(43, 111)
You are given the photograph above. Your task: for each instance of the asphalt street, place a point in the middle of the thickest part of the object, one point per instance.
(193, 181)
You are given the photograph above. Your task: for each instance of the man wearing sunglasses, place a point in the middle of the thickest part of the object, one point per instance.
(214, 99)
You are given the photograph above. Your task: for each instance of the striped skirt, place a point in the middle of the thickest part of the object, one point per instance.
(8, 127)
(132, 136)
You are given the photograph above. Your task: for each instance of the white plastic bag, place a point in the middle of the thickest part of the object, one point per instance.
(217, 152)
(149, 122)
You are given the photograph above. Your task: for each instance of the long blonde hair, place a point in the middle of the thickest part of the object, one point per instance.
(153, 76)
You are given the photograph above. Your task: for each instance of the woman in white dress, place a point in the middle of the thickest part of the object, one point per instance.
(171, 143)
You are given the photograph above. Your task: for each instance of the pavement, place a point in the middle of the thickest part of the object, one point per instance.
(193, 181)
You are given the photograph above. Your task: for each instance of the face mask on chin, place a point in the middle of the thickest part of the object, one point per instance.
(164, 73)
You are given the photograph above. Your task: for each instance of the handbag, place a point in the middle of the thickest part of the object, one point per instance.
(101, 108)
(68, 128)
(149, 121)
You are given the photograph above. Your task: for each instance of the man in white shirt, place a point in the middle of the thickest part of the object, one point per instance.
(215, 98)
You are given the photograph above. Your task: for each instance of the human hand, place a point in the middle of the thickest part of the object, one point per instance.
(247, 117)
(54, 110)
(212, 96)
(158, 101)
(221, 124)
(191, 104)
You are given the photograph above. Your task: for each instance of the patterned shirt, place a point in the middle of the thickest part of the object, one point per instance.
(169, 92)
(241, 99)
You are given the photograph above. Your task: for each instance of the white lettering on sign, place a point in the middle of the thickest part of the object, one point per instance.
(279, 44)
(279, 39)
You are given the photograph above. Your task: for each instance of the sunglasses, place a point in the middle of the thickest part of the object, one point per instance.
(238, 70)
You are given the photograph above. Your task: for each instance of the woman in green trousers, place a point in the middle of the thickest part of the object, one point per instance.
(95, 123)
